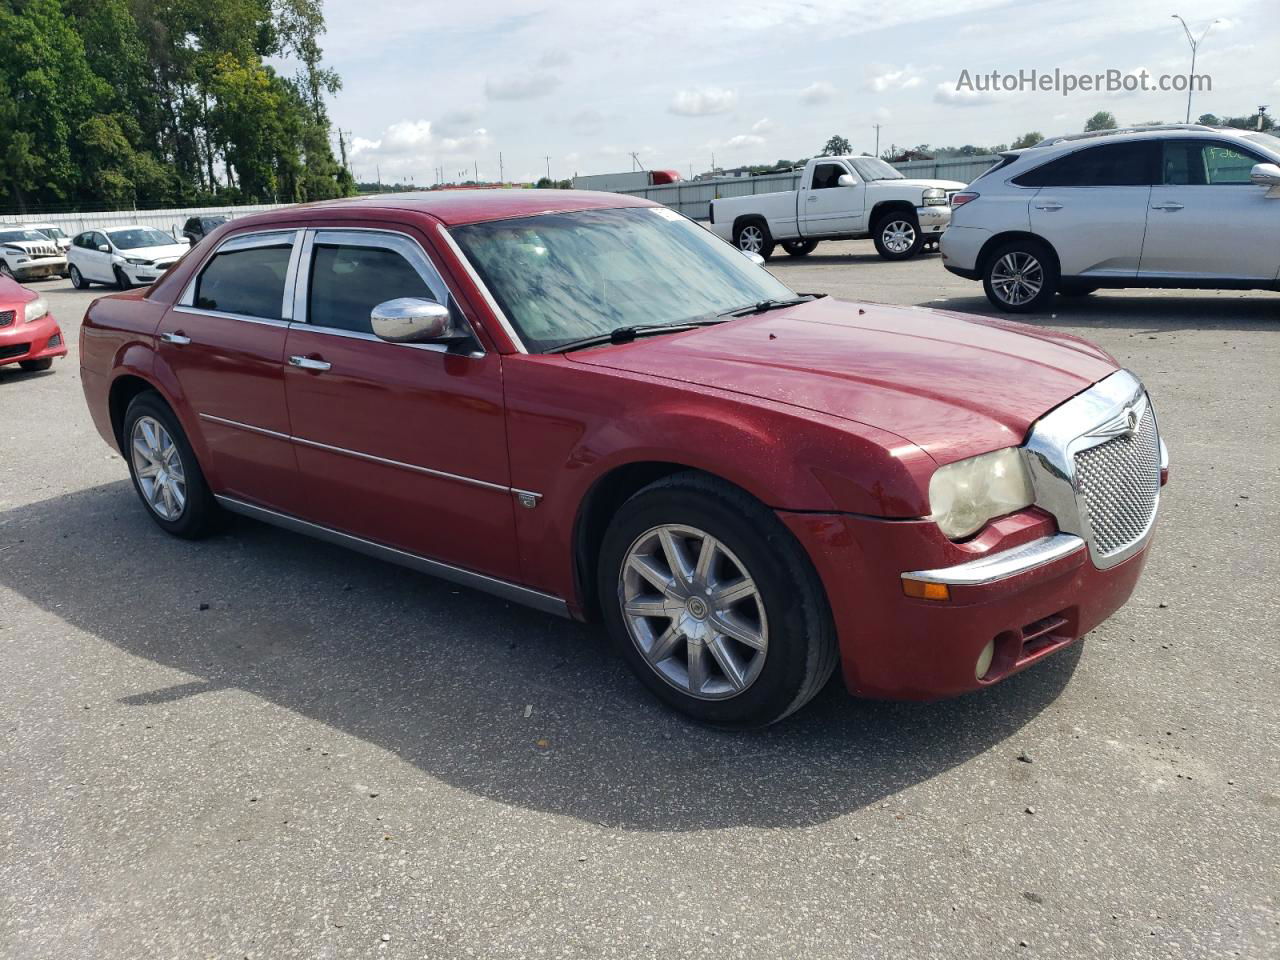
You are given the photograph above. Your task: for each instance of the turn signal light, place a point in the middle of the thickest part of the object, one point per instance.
(960, 199)
(923, 590)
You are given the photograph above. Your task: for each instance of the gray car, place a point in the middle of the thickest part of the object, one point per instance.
(1170, 206)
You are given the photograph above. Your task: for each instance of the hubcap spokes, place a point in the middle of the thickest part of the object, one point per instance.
(751, 239)
(158, 466)
(1017, 278)
(694, 611)
(899, 236)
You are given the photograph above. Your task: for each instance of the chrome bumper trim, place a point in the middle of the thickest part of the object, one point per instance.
(1002, 565)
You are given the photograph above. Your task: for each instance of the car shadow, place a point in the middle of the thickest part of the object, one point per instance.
(443, 677)
(1184, 311)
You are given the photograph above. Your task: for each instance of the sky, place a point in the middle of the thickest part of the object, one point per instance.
(428, 85)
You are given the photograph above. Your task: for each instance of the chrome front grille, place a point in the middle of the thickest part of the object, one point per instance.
(1119, 482)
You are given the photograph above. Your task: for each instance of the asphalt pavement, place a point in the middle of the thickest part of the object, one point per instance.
(262, 746)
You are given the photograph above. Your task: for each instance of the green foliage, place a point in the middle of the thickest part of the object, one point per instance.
(1102, 120)
(164, 102)
(837, 146)
(1027, 140)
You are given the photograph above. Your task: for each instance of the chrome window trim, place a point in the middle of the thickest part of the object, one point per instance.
(1004, 564)
(386, 239)
(247, 241)
(384, 461)
(244, 317)
(546, 602)
(503, 320)
(1080, 423)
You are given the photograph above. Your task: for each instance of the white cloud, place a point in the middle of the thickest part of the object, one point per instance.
(763, 125)
(820, 91)
(554, 58)
(744, 140)
(882, 113)
(947, 94)
(589, 117)
(477, 139)
(903, 79)
(704, 102)
(521, 86)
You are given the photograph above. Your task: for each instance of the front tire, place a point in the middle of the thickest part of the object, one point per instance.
(122, 279)
(897, 235)
(6, 271)
(713, 603)
(77, 278)
(799, 248)
(166, 475)
(1020, 276)
(753, 236)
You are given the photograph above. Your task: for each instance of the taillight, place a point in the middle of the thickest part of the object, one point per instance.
(960, 199)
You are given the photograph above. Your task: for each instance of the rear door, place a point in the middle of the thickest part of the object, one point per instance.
(1207, 220)
(828, 209)
(1091, 205)
(401, 444)
(224, 343)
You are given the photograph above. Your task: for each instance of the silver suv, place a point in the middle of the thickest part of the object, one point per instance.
(1168, 206)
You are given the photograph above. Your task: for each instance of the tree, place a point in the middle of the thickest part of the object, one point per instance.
(1209, 120)
(1029, 139)
(837, 146)
(1102, 120)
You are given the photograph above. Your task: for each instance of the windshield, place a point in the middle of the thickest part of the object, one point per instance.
(53, 233)
(873, 168)
(132, 238)
(1266, 141)
(22, 236)
(562, 277)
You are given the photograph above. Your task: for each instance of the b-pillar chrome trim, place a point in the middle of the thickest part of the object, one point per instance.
(536, 599)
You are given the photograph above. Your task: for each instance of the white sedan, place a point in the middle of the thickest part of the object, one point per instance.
(123, 256)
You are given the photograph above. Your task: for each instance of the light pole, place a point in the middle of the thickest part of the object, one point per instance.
(1195, 44)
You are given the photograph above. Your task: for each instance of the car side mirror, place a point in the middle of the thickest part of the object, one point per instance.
(104, 248)
(413, 320)
(753, 257)
(1267, 175)
(846, 180)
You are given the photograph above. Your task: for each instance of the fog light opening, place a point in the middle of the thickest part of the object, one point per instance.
(984, 660)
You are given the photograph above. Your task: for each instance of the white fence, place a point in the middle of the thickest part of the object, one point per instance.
(170, 221)
(691, 197)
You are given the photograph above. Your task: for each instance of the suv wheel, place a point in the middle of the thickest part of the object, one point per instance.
(799, 248)
(77, 278)
(897, 235)
(753, 237)
(713, 604)
(1020, 276)
(165, 473)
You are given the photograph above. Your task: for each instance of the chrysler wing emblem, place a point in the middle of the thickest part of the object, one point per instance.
(1124, 424)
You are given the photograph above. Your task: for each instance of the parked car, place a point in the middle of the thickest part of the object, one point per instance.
(840, 198)
(587, 403)
(53, 232)
(27, 254)
(124, 256)
(1183, 206)
(197, 228)
(29, 336)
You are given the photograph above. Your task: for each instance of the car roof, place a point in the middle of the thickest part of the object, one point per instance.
(1166, 131)
(458, 207)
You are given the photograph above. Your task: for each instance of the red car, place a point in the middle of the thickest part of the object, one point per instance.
(29, 336)
(589, 404)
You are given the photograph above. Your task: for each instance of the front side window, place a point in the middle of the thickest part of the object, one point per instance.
(99, 240)
(248, 282)
(349, 280)
(1109, 165)
(1228, 165)
(827, 175)
(561, 277)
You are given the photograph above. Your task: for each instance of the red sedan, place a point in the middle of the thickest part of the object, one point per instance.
(29, 336)
(589, 404)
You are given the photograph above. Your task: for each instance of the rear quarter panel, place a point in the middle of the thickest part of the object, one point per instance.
(117, 338)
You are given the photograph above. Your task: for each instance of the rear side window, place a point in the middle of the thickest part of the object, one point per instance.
(827, 175)
(249, 282)
(1110, 165)
(348, 281)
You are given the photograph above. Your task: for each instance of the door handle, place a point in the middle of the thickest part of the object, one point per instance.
(1050, 205)
(179, 338)
(813, 198)
(306, 363)
(1171, 205)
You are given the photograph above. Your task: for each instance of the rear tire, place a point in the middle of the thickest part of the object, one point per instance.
(753, 581)
(35, 366)
(77, 279)
(897, 235)
(1020, 276)
(753, 236)
(799, 248)
(152, 438)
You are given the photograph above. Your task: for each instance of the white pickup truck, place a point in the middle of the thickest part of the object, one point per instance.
(840, 198)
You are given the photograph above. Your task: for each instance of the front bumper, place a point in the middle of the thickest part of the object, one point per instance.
(933, 220)
(32, 341)
(40, 267)
(144, 274)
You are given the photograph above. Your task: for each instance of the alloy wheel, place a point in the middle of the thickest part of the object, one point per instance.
(158, 467)
(694, 611)
(898, 236)
(1017, 278)
(751, 239)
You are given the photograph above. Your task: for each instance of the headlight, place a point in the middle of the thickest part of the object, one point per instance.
(138, 262)
(935, 197)
(965, 495)
(35, 309)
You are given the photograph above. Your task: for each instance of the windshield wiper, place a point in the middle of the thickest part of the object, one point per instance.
(763, 306)
(627, 334)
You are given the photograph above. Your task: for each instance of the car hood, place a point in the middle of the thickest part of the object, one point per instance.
(954, 385)
(922, 184)
(36, 248)
(162, 252)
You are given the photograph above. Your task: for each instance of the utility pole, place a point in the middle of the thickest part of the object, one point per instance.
(476, 166)
(1195, 45)
(1262, 115)
(378, 168)
(877, 126)
(501, 175)
(635, 161)
(548, 159)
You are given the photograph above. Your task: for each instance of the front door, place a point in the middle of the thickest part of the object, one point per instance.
(97, 262)
(1208, 220)
(224, 342)
(401, 444)
(828, 209)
